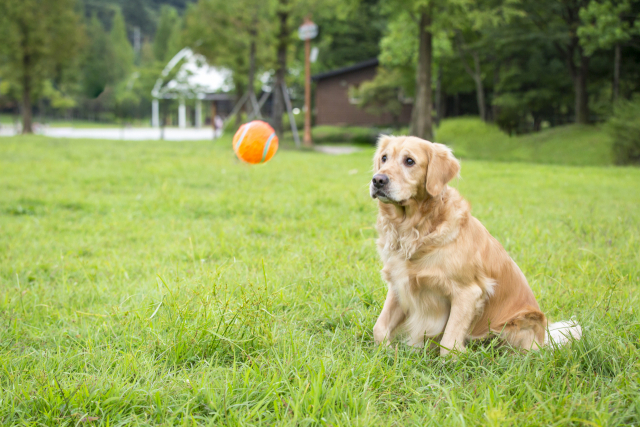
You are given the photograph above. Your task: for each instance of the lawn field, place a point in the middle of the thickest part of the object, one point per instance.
(163, 283)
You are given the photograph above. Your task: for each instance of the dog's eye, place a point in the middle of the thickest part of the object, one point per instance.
(409, 161)
(384, 158)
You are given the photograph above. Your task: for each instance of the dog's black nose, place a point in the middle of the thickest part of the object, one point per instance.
(380, 180)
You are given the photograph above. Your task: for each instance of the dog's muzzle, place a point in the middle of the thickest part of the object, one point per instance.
(379, 183)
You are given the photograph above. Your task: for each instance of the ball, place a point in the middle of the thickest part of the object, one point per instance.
(255, 142)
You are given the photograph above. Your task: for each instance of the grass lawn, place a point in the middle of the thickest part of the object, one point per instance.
(578, 145)
(163, 283)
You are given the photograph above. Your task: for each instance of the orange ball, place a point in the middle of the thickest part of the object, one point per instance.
(255, 142)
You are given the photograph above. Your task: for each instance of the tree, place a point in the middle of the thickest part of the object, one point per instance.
(380, 95)
(39, 38)
(122, 50)
(289, 15)
(413, 19)
(559, 21)
(175, 42)
(474, 25)
(166, 25)
(136, 14)
(608, 25)
(282, 43)
(421, 120)
(356, 38)
(97, 71)
(234, 35)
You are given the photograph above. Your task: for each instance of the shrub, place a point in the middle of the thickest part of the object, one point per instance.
(347, 134)
(624, 128)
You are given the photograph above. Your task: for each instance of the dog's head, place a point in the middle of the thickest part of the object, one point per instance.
(411, 168)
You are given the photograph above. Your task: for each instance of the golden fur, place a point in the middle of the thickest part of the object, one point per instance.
(448, 278)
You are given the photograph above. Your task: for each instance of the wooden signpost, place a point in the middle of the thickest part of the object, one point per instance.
(307, 31)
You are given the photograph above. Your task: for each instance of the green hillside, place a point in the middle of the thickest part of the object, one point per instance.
(570, 145)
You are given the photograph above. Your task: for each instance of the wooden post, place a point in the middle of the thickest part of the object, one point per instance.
(307, 31)
(307, 94)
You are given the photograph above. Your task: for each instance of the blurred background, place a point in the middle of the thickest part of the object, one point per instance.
(522, 66)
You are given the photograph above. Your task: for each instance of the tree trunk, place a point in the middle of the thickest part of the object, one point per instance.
(616, 73)
(495, 110)
(477, 77)
(252, 63)
(26, 88)
(439, 109)
(580, 84)
(456, 105)
(238, 122)
(537, 122)
(27, 119)
(281, 57)
(421, 125)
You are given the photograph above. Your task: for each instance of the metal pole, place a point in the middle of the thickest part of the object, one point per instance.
(182, 114)
(238, 106)
(155, 113)
(256, 106)
(198, 114)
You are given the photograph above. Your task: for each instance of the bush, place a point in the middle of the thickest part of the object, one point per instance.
(624, 128)
(347, 134)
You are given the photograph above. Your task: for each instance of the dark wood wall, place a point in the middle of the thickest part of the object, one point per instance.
(333, 106)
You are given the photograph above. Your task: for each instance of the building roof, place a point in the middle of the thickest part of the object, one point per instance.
(193, 77)
(355, 67)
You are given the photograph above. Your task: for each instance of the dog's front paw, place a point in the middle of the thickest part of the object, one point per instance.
(451, 351)
(380, 335)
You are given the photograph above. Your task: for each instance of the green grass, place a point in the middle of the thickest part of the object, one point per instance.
(580, 145)
(159, 283)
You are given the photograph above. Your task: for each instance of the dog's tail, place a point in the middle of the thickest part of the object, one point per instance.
(560, 333)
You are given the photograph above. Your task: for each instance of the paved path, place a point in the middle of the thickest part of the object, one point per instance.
(336, 150)
(129, 134)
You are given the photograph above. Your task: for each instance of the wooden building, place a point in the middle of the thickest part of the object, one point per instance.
(334, 106)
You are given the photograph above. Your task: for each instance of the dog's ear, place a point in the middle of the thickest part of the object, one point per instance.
(442, 168)
(383, 141)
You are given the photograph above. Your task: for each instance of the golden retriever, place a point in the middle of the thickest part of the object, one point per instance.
(448, 279)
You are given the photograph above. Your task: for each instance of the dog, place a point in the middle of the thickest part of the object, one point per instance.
(449, 280)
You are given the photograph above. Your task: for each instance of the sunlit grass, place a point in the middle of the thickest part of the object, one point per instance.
(164, 283)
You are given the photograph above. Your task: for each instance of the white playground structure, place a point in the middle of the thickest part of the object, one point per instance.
(193, 80)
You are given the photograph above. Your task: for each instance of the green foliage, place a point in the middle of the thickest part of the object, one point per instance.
(606, 24)
(222, 31)
(380, 95)
(57, 98)
(175, 43)
(166, 25)
(533, 87)
(398, 50)
(350, 40)
(346, 134)
(136, 13)
(169, 284)
(123, 55)
(98, 61)
(39, 43)
(624, 128)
